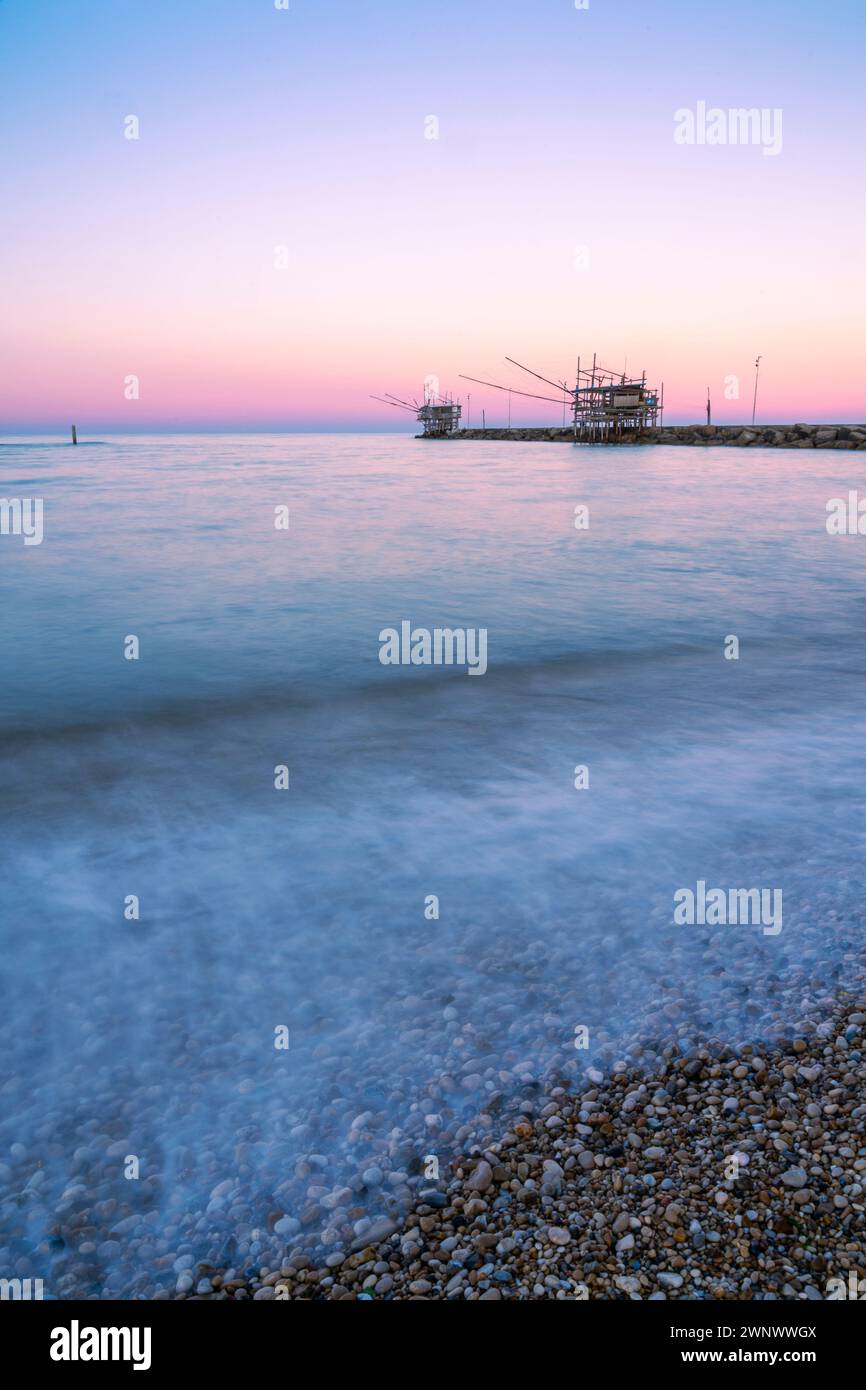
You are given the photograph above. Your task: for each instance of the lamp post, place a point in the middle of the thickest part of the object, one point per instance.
(755, 398)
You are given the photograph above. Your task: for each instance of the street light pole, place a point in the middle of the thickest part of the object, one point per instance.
(755, 399)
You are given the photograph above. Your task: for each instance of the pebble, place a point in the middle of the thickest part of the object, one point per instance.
(795, 1177)
(481, 1178)
(558, 1236)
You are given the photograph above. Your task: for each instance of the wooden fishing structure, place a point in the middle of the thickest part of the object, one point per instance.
(438, 415)
(606, 406)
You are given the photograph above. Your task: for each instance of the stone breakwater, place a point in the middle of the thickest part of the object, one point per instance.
(622, 1188)
(729, 436)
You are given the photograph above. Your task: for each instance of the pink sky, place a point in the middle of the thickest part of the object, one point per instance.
(409, 256)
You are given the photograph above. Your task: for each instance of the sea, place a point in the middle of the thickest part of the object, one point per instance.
(278, 916)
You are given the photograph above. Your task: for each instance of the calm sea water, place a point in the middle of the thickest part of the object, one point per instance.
(306, 908)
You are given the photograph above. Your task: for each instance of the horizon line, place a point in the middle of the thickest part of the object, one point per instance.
(63, 432)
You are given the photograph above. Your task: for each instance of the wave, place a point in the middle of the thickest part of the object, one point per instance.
(816, 659)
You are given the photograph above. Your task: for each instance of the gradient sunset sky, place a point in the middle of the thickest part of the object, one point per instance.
(408, 256)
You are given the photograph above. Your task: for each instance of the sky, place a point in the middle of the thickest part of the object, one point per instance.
(339, 199)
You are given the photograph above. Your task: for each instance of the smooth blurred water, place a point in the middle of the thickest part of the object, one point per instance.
(306, 908)
(173, 539)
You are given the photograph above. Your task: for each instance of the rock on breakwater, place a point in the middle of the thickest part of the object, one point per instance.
(727, 436)
(761, 436)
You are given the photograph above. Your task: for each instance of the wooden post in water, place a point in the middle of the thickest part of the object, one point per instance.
(74, 435)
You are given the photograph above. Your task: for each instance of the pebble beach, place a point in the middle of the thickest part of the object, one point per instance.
(619, 1190)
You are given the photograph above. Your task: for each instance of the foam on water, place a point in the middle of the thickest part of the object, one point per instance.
(306, 908)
